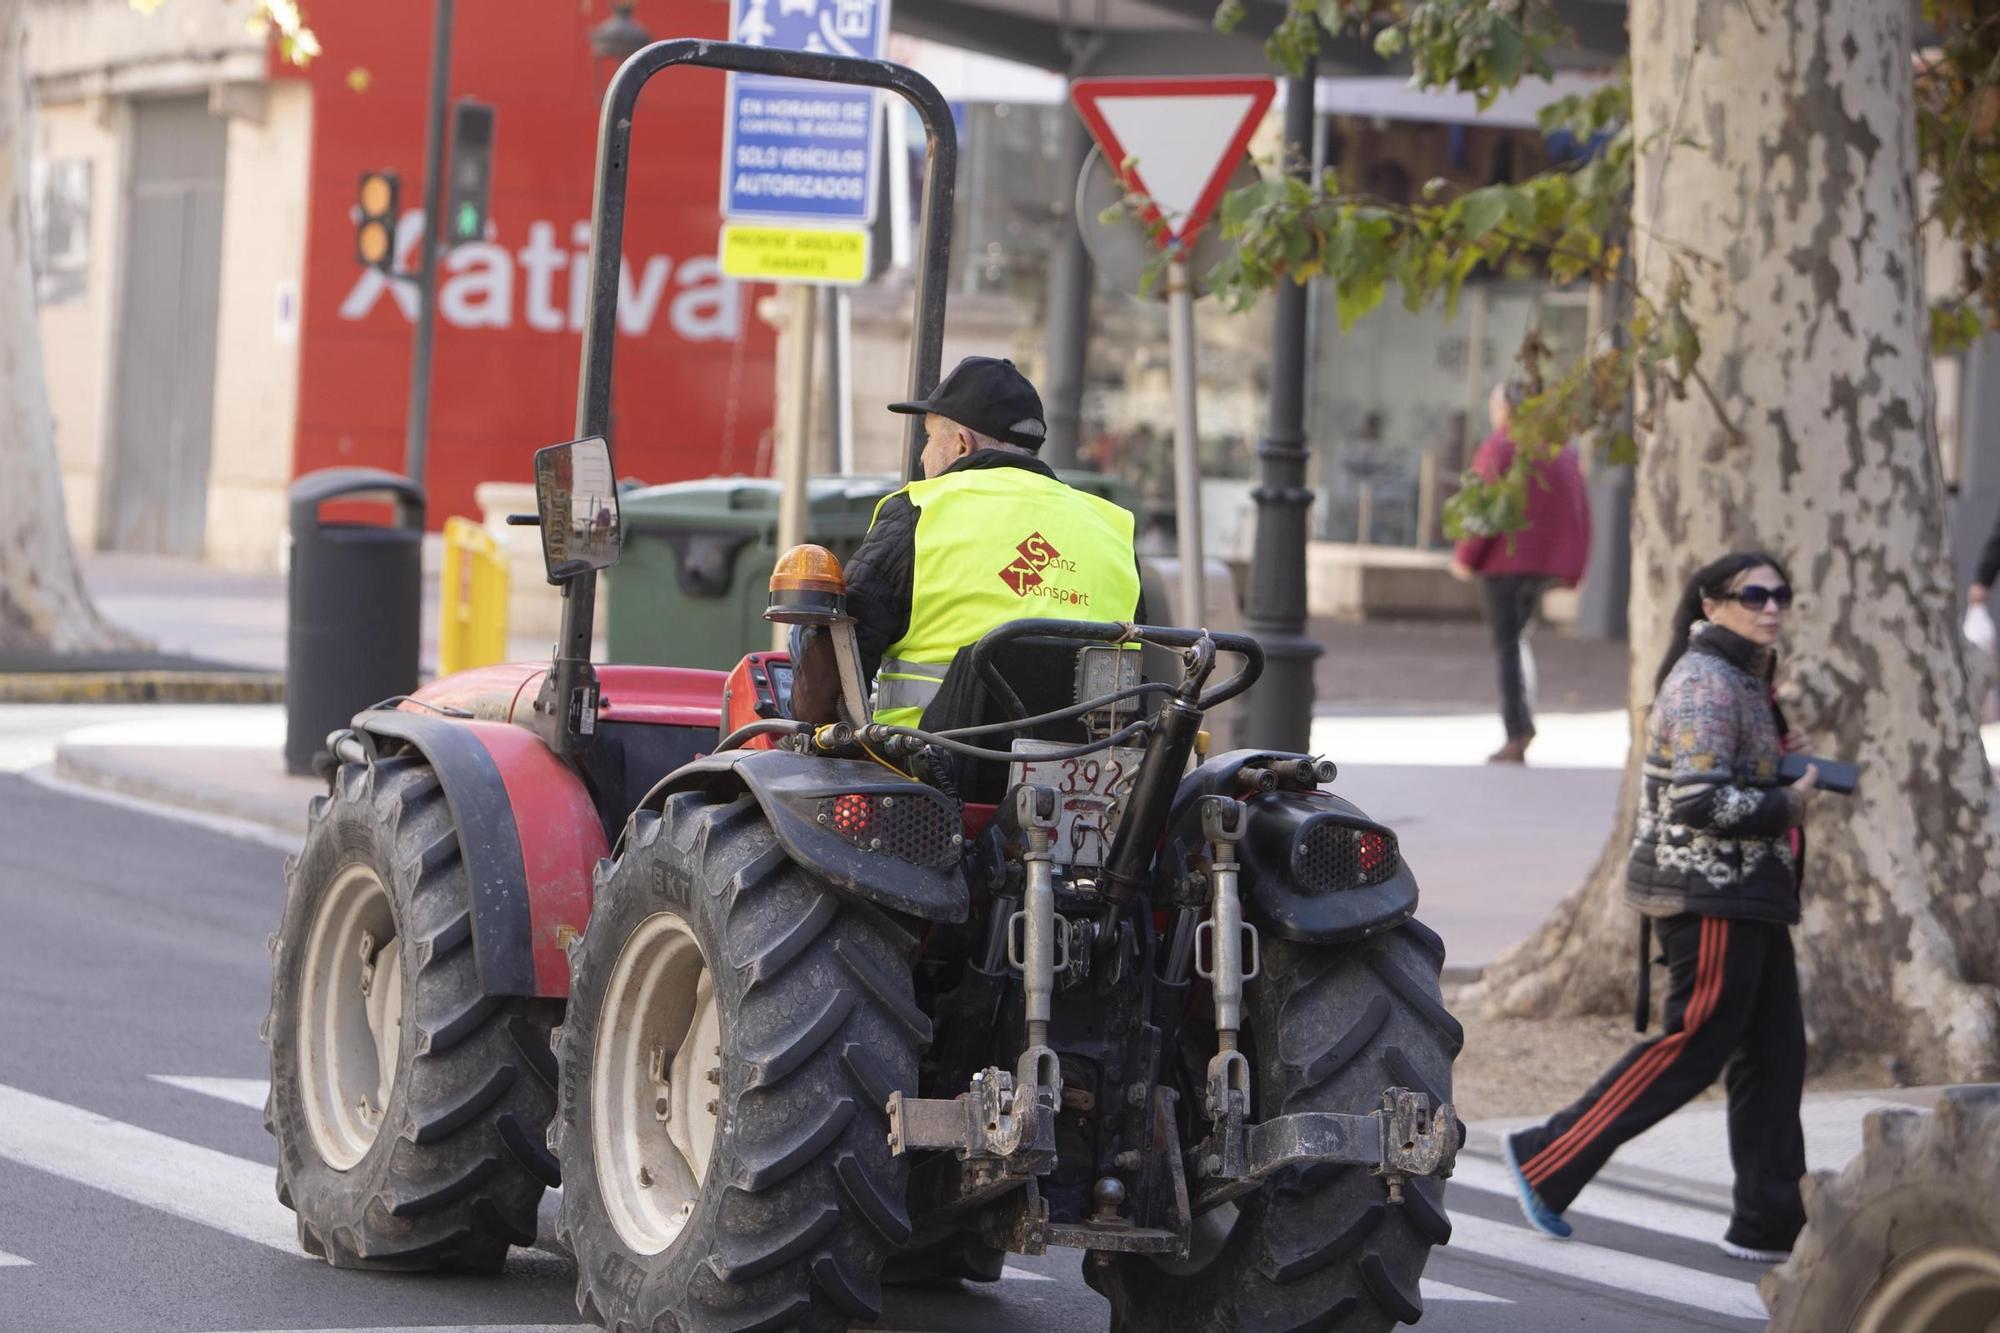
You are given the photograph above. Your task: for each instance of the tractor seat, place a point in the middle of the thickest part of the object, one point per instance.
(1042, 674)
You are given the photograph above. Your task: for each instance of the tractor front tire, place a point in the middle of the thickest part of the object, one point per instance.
(410, 1107)
(735, 1028)
(1334, 1027)
(1907, 1238)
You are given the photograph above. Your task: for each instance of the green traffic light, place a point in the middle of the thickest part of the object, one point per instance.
(468, 221)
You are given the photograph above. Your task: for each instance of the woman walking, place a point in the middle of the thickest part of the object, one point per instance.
(1715, 871)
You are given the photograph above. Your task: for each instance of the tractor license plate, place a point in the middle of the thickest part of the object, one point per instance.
(1090, 795)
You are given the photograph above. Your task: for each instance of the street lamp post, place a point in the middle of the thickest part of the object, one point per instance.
(1278, 714)
(417, 426)
(620, 36)
(612, 43)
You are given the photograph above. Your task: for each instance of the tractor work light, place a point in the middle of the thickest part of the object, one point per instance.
(808, 588)
(1333, 857)
(910, 826)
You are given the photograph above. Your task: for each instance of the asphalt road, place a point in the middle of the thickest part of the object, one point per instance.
(136, 1180)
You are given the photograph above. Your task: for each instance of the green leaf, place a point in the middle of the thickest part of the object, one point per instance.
(1620, 449)
(1505, 53)
(1481, 211)
(1389, 43)
(1356, 299)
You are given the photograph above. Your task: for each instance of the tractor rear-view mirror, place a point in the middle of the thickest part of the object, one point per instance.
(577, 498)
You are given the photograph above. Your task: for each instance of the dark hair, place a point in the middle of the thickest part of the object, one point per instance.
(1515, 389)
(1709, 583)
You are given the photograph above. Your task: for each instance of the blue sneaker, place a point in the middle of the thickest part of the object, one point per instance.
(1540, 1216)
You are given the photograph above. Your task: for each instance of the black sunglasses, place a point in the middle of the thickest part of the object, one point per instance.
(1754, 597)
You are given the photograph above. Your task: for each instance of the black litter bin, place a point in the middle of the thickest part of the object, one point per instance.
(356, 597)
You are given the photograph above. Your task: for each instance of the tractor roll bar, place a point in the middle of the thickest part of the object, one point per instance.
(614, 139)
(568, 699)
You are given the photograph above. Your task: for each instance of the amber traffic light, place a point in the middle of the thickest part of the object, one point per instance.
(375, 231)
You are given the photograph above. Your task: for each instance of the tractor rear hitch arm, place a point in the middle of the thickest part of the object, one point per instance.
(1407, 1137)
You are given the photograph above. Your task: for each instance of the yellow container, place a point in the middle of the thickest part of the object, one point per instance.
(472, 599)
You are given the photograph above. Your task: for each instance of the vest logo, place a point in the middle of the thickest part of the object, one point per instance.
(1036, 557)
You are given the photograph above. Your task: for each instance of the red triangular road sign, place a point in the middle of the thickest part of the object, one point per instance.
(1176, 141)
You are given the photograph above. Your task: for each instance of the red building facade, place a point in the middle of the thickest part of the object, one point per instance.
(694, 375)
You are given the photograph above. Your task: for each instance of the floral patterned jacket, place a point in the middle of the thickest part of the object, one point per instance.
(1714, 833)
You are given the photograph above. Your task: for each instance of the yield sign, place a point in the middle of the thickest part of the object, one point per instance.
(1175, 141)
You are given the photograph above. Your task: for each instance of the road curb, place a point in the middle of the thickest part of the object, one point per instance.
(119, 687)
(101, 768)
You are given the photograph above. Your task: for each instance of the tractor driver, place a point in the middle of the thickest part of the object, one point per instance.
(989, 536)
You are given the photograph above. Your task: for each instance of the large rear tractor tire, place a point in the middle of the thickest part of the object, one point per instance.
(735, 1029)
(410, 1107)
(1323, 1249)
(1907, 1238)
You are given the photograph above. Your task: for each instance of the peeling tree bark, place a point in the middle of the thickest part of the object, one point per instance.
(1782, 149)
(43, 603)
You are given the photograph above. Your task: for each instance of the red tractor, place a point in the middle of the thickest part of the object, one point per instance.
(790, 1010)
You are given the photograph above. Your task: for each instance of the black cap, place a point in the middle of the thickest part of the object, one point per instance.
(987, 394)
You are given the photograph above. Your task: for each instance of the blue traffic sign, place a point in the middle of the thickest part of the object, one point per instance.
(794, 149)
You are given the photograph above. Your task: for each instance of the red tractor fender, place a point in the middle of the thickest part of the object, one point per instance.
(529, 836)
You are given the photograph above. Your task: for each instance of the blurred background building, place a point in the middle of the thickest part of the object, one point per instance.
(210, 334)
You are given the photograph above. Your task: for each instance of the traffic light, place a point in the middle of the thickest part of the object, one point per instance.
(375, 233)
(471, 172)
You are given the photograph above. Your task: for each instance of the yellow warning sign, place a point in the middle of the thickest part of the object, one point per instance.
(794, 254)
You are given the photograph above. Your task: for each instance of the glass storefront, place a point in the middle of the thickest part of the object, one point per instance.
(1395, 406)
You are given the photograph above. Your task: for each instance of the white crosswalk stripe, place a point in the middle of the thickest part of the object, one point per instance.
(1607, 1267)
(1435, 1290)
(248, 1092)
(184, 1179)
(1607, 1202)
(234, 1195)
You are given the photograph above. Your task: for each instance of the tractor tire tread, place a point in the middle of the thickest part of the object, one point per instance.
(452, 1191)
(803, 1201)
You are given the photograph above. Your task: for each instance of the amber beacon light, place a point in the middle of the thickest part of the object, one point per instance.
(807, 588)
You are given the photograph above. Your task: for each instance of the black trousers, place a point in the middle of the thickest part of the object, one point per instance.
(1732, 1009)
(1512, 602)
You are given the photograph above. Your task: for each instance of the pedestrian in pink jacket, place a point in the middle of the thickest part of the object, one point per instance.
(1517, 568)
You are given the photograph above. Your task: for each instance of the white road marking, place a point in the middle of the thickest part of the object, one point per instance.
(1023, 1275)
(243, 830)
(1610, 1268)
(14, 1261)
(1444, 1291)
(432, 1328)
(1608, 1202)
(248, 1092)
(183, 1179)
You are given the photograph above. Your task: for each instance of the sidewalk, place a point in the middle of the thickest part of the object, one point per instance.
(1405, 710)
(1493, 849)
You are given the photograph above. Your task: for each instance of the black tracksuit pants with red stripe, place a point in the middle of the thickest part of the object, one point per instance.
(1732, 1005)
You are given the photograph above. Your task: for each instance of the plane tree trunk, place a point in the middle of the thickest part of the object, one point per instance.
(1781, 176)
(43, 604)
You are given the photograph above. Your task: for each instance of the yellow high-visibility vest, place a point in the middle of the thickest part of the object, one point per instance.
(996, 545)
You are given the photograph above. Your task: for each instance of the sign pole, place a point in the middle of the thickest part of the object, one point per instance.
(794, 456)
(1187, 440)
(417, 426)
(1175, 143)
